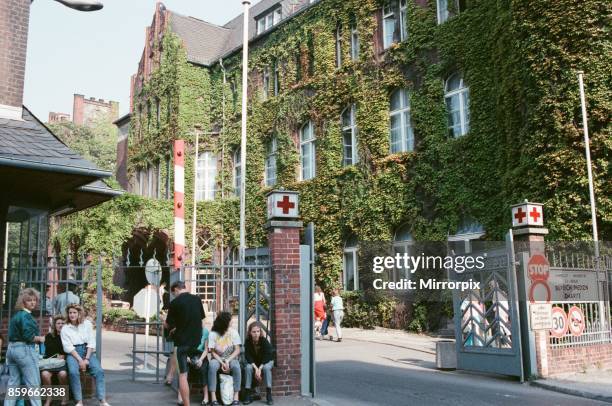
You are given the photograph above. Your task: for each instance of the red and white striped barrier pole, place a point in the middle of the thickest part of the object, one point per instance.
(179, 202)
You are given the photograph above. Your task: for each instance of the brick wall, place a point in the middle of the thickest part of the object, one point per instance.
(14, 22)
(284, 244)
(564, 360)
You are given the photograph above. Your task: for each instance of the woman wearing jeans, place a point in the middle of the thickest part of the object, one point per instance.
(23, 335)
(79, 344)
(338, 310)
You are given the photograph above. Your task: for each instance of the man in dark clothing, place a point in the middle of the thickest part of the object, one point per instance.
(185, 315)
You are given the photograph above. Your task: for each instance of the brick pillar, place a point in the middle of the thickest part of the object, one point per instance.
(284, 245)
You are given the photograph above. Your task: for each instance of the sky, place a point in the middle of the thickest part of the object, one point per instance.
(95, 53)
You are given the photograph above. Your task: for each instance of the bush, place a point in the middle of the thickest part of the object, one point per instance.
(113, 315)
(368, 309)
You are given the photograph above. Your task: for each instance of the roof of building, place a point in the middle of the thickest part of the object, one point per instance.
(123, 119)
(206, 43)
(29, 143)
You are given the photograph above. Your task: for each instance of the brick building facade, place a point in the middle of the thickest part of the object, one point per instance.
(85, 111)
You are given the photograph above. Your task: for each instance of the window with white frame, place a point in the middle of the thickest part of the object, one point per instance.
(468, 231)
(237, 172)
(447, 9)
(402, 135)
(354, 43)
(457, 97)
(395, 26)
(307, 151)
(141, 182)
(349, 136)
(339, 45)
(268, 20)
(206, 182)
(403, 243)
(271, 151)
(266, 83)
(349, 265)
(150, 191)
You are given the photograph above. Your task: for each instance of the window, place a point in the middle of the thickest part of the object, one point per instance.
(237, 172)
(468, 230)
(206, 181)
(402, 136)
(266, 83)
(141, 182)
(339, 45)
(457, 97)
(349, 265)
(267, 21)
(447, 9)
(276, 78)
(167, 195)
(349, 136)
(271, 150)
(148, 115)
(307, 151)
(151, 181)
(354, 43)
(394, 22)
(403, 243)
(157, 112)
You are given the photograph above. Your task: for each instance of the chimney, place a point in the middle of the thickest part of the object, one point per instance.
(14, 22)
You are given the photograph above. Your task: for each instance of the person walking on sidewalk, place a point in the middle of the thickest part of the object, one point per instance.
(185, 315)
(338, 311)
(79, 342)
(319, 310)
(260, 360)
(23, 335)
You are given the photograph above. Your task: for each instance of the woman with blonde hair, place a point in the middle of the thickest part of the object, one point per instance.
(54, 348)
(79, 342)
(23, 335)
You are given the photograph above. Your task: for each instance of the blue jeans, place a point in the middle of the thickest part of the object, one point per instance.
(22, 361)
(94, 369)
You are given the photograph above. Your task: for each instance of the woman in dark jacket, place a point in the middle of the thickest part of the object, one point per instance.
(54, 348)
(260, 360)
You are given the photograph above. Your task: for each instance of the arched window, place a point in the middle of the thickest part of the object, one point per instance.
(349, 264)
(349, 136)
(402, 136)
(457, 97)
(468, 230)
(403, 243)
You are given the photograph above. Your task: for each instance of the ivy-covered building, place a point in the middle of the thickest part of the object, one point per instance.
(396, 120)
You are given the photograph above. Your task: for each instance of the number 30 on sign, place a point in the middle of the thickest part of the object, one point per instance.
(559, 323)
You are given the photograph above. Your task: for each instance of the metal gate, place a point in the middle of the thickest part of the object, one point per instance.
(487, 326)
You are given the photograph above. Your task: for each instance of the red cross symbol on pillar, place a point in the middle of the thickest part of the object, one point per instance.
(534, 214)
(520, 215)
(285, 204)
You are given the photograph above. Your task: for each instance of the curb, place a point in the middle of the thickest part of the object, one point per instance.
(574, 392)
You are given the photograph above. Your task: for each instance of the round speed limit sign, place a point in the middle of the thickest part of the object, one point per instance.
(559, 323)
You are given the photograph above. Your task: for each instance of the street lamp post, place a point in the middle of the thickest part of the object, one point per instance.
(243, 147)
(82, 5)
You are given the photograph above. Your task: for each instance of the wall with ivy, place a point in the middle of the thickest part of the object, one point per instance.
(519, 59)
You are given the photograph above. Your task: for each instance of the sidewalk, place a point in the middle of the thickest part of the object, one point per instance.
(396, 338)
(593, 384)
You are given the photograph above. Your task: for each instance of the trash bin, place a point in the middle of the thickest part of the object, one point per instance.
(446, 355)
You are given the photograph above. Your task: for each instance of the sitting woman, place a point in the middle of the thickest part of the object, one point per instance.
(260, 360)
(79, 342)
(53, 348)
(224, 345)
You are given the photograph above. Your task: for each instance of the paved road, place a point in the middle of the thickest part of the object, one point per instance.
(356, 373)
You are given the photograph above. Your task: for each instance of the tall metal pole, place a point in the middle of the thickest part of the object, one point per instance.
(243, 158)
(243, 139)
(195, 201)
(587, 148)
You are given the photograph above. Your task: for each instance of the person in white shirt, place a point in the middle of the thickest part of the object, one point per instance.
(79, 342)
(338, 311)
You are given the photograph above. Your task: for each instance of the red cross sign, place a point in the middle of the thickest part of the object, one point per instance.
(527, 214)
(282, 204)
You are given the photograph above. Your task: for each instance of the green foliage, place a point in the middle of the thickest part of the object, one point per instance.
(113, 315)
(368, 309)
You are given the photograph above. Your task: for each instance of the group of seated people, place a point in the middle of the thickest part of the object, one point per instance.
(71, 339)
(219, 352)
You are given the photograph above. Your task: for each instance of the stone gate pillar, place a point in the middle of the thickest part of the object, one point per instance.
(529, 232)
(284, 243)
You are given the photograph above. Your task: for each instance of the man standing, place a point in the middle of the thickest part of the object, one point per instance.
(65, 298)
(185, 315)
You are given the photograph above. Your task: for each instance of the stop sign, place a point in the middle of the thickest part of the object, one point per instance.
(538, 268)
